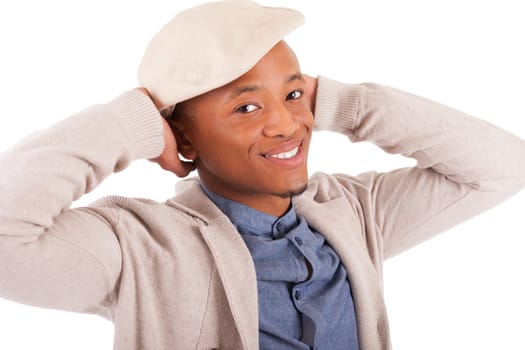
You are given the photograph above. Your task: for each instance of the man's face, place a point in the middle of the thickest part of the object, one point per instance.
(250, 138)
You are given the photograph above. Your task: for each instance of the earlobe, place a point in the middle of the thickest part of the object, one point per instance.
(184, 146)
(189, 154)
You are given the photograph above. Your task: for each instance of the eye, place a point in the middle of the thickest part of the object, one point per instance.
(247, 108)
(294, 95)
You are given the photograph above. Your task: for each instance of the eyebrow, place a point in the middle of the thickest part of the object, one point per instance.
(239, 90)
(296, 76)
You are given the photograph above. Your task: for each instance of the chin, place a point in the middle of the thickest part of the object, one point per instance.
(293, 191)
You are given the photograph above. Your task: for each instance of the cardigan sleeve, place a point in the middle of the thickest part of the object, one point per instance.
(464, 165)
(50, 254)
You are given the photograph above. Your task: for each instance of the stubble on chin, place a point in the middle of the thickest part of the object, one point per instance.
(293, 192)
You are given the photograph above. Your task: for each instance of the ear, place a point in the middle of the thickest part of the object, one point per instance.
(184, 144)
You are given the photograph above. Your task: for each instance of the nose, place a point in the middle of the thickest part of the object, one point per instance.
(280, 121)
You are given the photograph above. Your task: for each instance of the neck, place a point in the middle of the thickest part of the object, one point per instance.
(274, 205)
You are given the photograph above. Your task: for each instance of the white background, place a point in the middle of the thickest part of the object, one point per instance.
(462, 290)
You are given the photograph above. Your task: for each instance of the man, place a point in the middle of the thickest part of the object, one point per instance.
(251, 253)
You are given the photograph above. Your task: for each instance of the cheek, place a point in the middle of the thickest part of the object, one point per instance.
(303, 113)
(309, 120)
(308, 114)
(218, 150)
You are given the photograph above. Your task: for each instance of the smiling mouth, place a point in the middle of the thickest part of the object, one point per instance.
(284, 155)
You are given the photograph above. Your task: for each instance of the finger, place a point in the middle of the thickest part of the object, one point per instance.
(183, 168)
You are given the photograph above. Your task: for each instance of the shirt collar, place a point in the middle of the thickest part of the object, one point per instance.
(249, 221)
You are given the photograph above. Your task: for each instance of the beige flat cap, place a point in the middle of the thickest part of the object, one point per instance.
(210, 45)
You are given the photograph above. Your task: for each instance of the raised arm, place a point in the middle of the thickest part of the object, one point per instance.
(53, 256)
(464, 165)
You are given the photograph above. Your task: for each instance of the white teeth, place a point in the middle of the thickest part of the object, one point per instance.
(285, 155)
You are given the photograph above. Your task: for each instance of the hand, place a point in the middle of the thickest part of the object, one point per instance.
(311, 90)
(169, 159)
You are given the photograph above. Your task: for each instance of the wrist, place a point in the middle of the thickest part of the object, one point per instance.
(336, 105)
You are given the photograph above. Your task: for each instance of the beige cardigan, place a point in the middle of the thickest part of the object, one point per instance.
(176, 275)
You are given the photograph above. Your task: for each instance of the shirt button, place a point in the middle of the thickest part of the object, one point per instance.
(298, 240)
(280, 226)
(297, 295)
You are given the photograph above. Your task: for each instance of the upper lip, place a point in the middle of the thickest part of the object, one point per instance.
(284, 147)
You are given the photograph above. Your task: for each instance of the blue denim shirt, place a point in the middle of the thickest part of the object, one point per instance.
(295, 311)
